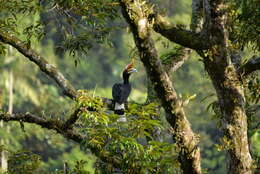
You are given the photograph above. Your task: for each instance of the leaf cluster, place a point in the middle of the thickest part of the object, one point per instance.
(21, 162)
(26, 162)
(125, 142)
(244, 24)
(80, 24)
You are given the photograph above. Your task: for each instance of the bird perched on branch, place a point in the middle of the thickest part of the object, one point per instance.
(121, 91)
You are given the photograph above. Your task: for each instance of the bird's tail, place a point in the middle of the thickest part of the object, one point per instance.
(119, 109)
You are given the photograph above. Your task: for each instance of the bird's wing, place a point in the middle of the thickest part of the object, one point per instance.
(126, 92)
(117, 93)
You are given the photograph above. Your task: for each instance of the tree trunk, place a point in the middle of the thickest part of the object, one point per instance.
(230, 93)
(4, 161)
(3, 154)
(234, 121)
(11, 86)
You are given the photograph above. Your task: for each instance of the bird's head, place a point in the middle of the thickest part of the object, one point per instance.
(130, 69)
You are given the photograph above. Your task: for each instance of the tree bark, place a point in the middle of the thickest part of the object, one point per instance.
(234, 121)
(186, 140)
(230, 92)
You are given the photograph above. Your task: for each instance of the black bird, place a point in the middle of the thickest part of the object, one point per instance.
(121, 91)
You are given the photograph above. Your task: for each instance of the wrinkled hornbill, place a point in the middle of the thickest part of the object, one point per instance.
(121, 91)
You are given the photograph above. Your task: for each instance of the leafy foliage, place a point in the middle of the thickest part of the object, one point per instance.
(125, 142)
(244, 27)
(26, 162)
(80, 24)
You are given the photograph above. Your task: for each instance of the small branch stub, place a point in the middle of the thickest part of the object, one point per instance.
(143, 28)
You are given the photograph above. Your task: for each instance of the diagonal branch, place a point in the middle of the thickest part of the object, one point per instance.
(174, 61)
(189, 154)
(42, 63)
(48, 69)
(252, 65)
(171, 63)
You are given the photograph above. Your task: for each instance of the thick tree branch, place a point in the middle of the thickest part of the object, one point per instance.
(60, 128)
(252, 65)
(42, 63)
(189, 156)
(51, 124)
(186, 38)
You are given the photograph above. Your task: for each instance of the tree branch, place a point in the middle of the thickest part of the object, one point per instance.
(207, 18)
(252, 65)
(51, 124)
(60, 128)
(174, 61)
(72, 119)
(186, 38)
(42, 63)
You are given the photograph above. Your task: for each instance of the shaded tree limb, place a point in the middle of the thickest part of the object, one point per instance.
(60, 128)
(252, 65)
(72, 119)
(189, 152)
(51, 124)
(171, 63)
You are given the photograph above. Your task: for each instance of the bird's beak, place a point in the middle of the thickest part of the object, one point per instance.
(132, 70)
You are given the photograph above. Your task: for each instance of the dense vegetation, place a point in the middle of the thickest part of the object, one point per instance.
(90, 42)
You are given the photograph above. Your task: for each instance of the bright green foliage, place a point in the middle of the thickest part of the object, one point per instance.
(125, 142)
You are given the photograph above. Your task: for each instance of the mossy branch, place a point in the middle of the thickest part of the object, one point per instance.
(41, 62)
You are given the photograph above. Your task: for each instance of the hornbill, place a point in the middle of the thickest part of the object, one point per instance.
(121, 91)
